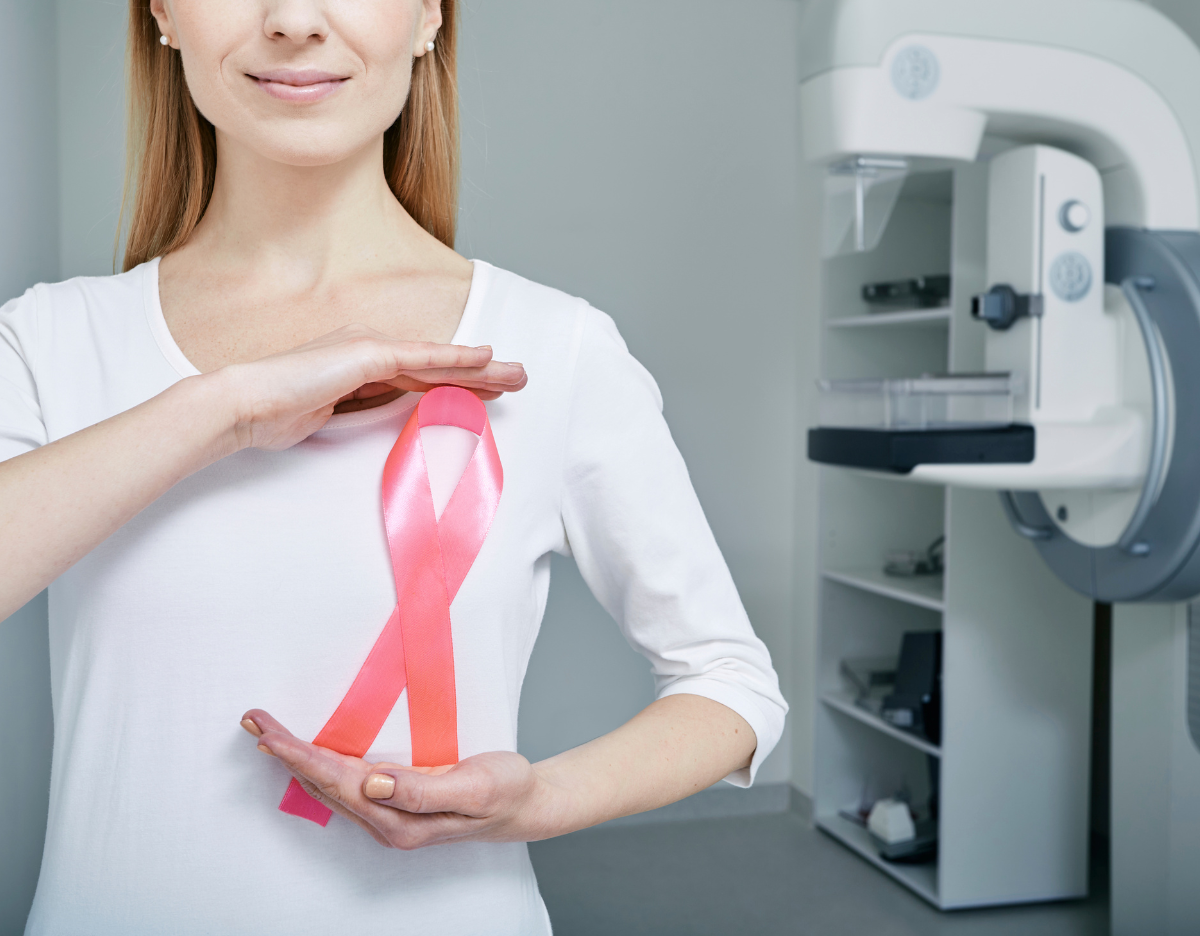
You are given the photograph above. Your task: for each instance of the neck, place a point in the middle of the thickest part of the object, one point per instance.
(303, 225)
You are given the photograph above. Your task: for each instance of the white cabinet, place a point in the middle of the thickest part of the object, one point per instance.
(1012, 766)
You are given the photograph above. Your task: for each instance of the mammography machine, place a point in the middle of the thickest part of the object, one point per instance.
(1087, 420)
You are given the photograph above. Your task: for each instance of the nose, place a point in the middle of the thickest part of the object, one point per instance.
(296, 20)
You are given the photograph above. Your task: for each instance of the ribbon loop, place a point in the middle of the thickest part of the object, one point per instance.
(430, 560)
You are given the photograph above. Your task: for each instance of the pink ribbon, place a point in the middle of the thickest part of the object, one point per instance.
(430, 558)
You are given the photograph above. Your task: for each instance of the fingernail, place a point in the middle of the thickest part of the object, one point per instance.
(483, 347)
(249, 725)
(380, 786)
(266, 750)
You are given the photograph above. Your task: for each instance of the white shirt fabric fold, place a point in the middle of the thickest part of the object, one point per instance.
(263, 581)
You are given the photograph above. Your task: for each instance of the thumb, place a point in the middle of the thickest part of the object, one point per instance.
(426, 789)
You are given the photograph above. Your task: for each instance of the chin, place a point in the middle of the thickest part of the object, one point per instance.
(311, 143)
(307, 153)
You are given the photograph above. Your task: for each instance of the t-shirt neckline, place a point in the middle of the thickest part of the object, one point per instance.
(182, 366)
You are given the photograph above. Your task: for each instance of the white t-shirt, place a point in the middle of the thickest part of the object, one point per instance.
(263, 581)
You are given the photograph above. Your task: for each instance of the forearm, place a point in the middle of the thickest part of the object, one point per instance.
(673, 748)
(60, 501)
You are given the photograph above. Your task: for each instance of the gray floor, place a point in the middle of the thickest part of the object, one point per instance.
(765, 874)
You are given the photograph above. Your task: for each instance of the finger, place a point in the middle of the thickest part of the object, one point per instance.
(422, 381)
(494, 374)
(336, 777)
(408, 830)
(314, 762)
(425, 355)
(484, 393)
(441, 790)
(256, 721)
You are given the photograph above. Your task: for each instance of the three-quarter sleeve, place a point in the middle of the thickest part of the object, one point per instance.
(21, 426)
(642, 543)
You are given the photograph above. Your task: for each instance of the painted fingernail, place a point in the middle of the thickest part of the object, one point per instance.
(380, 786)
(249, 725)
(266, 750)
(483, 347)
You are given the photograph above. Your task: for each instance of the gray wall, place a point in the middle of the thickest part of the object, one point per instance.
(643, 155)
(28, 253)
(28, 150)
(91, 129)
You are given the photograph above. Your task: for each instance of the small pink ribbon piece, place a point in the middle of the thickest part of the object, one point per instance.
(430, 559)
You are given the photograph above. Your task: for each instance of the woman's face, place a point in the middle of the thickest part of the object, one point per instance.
(303, 82)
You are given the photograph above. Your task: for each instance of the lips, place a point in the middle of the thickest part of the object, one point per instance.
(298, 85)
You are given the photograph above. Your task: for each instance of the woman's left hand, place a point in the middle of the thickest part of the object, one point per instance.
(494, 797)
(674, 747)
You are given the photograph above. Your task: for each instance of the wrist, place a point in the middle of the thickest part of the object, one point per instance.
(209, 405)
(557, 806)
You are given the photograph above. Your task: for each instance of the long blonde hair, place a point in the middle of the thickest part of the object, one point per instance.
(171, 152)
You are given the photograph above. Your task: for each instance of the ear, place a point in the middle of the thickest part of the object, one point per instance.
(429, 21)
(166, 25)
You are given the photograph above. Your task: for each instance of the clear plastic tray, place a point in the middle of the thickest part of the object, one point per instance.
(958, 401)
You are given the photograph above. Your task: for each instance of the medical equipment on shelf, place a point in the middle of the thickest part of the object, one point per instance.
(921, 292)
(1087, 420)
(891, 821)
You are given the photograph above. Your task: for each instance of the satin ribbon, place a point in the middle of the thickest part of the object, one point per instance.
(430, 558)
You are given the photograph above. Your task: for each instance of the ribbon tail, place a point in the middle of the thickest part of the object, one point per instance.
(296, 802)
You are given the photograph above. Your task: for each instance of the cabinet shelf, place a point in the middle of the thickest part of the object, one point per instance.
(914, 318)
(925, 591)
(920, 878)
(1010, 630)
(844, 703)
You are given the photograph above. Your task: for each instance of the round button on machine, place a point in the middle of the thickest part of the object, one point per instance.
(1074, 216)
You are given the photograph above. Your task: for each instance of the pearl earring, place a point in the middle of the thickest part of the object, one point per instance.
(429, 46)
(164, 40)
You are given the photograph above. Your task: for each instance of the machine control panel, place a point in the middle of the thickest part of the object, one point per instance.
(1071, 276)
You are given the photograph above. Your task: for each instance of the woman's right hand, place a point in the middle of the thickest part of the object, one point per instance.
(279, 400)
(60, 500)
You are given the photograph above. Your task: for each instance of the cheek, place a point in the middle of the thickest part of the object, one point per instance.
(378, 25)
(391, 91)
(210, 32)
(380, 35)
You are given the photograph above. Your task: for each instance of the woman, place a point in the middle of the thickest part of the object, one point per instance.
(194, 451)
